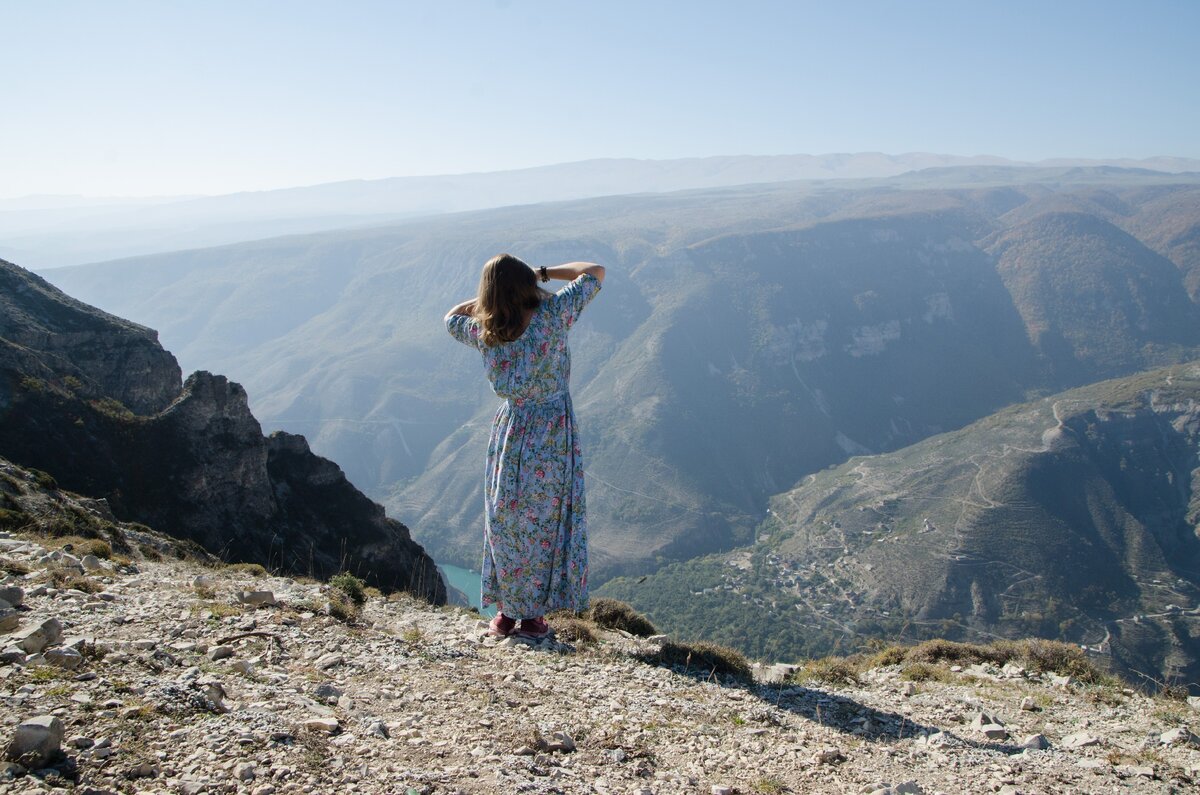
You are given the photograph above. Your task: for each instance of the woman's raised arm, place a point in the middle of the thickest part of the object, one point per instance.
(465, 308)
(570, 271)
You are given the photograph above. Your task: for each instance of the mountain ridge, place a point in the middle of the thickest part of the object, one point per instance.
(69, 236)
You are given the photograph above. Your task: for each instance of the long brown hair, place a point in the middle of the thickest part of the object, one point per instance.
(508, 289)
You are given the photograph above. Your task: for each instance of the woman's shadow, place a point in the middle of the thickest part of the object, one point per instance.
(832, 710)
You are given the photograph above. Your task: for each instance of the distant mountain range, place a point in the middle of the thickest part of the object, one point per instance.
(52, 231)
(746, 337)
(1076, 516)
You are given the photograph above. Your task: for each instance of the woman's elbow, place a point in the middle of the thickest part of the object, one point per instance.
(595, 270)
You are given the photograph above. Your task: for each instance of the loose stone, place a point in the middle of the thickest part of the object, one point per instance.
(322, 725)
(220, 652)
(1179, 736)
(257, 598)
(1035, 742)
(1079, 740)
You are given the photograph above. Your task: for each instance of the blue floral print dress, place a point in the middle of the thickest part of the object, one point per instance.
(535, 519)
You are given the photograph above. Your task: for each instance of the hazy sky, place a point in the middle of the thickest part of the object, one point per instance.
(164, 97)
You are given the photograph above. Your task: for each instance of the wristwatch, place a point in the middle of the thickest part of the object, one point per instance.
(545, 276)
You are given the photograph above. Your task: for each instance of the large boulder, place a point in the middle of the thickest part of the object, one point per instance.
(37, 742)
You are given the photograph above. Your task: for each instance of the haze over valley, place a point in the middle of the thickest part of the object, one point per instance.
(746, 339)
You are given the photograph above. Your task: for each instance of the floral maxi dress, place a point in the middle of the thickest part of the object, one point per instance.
(535, 520)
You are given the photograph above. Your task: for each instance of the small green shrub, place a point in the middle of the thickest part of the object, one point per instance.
(612, 614)
(351, 586)
(705, 657)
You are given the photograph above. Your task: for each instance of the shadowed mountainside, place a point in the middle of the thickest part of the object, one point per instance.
(96, 402)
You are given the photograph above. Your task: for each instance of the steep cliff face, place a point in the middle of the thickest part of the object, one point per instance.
(321, 508)
(96, 402)
(108, 356)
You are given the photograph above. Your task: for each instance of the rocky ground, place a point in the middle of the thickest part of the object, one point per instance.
(179, 678)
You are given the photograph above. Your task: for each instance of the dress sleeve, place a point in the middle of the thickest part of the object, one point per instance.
(464, 329)
(570, 300)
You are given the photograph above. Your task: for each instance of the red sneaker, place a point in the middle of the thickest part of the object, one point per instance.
(534, 628)
(502, 626)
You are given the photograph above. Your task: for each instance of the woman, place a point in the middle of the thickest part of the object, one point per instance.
(535, 521)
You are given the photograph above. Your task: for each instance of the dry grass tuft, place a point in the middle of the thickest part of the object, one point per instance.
(572, 629)
(890, 655)
(14, 566)
(253, 569)
(149, 552)
(926, 661)
(612, 614)
(841, 671)
(704, 657)
(68, 579)
(936, 651)
(341, 606)
(924, 672)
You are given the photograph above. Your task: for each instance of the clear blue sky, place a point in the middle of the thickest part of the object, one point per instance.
(162, 97)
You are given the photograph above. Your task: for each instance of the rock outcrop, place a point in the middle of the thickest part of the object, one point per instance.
(97, 403)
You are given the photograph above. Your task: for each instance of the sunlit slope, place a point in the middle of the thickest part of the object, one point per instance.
(1075, 517)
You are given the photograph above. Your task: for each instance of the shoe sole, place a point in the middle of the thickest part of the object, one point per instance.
(533, 635)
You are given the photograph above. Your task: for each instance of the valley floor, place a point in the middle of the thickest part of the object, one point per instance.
(183, 688)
